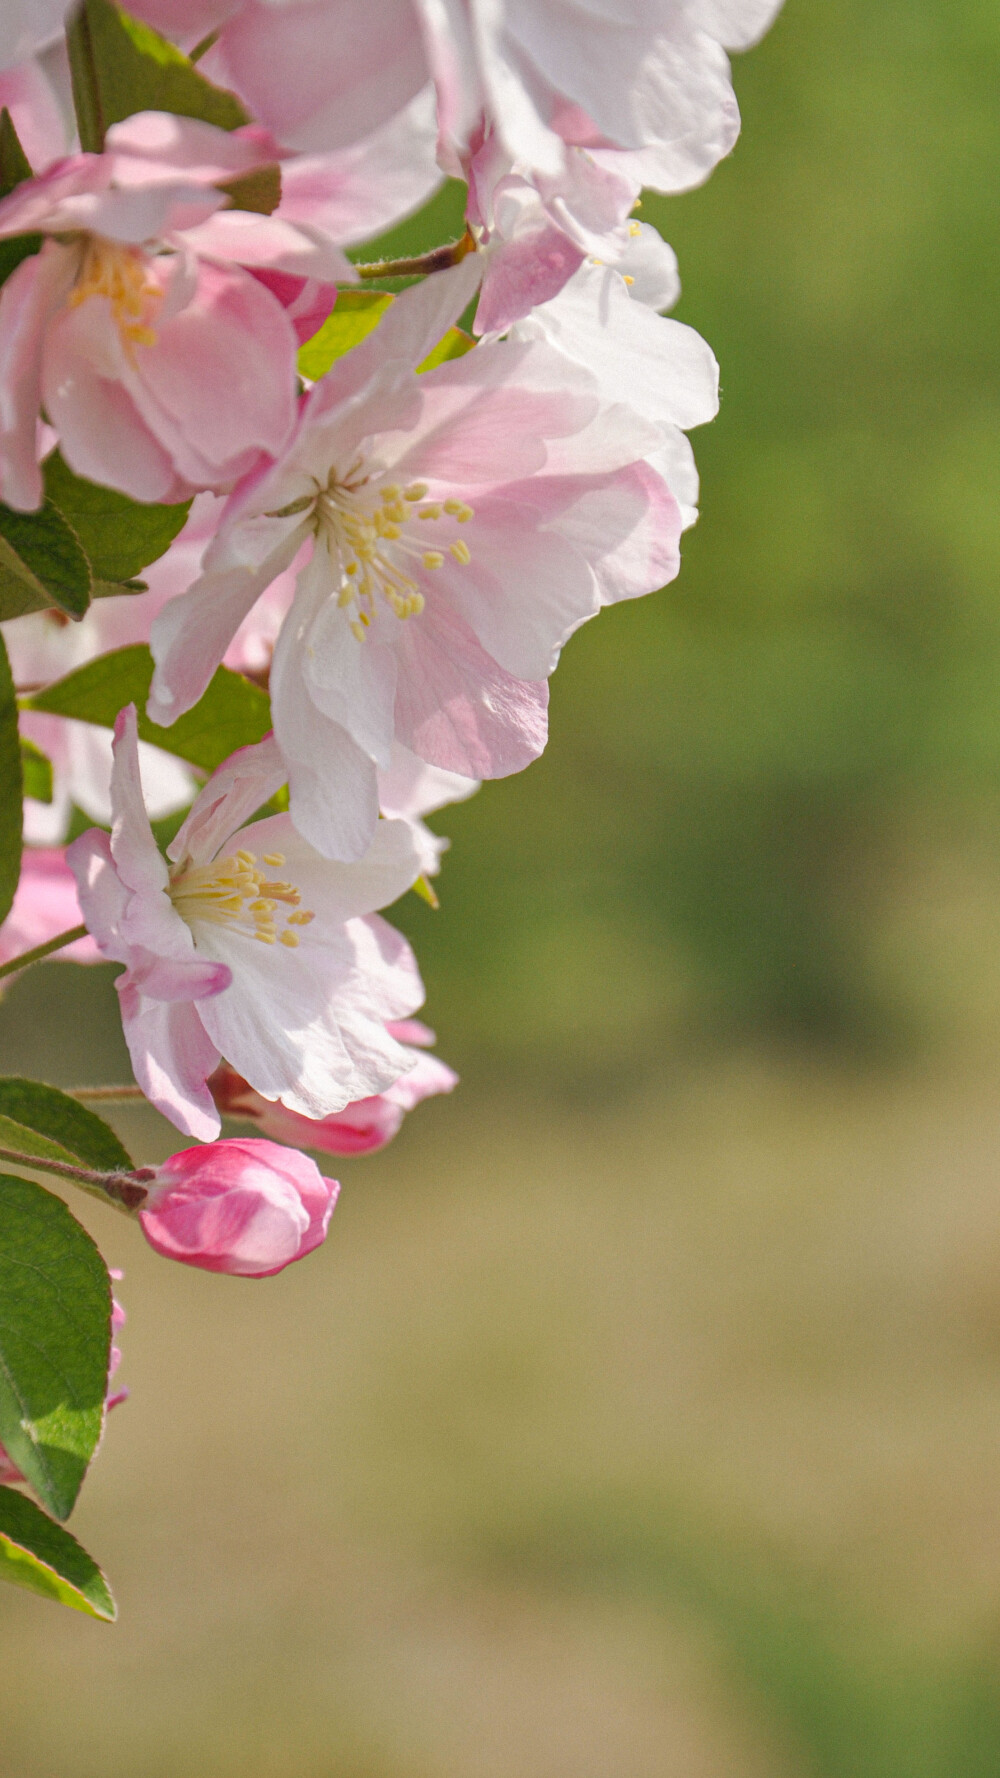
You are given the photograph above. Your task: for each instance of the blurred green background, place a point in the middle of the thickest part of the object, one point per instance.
(641, 1418)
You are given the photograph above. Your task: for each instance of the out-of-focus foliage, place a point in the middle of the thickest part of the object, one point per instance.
(735, 764)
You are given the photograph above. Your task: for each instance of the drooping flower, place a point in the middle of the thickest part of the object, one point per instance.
(45, 904)
(247, 944)
(459, 525)
(163, 364)
(246, 1207)
(360, 1128)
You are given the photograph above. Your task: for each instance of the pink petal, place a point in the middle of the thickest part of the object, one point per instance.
(457, 708)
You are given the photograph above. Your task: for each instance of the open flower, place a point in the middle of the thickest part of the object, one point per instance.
(248, 945)
(459, 526)
(163, 364)
(245, 1207)
(360, 1128)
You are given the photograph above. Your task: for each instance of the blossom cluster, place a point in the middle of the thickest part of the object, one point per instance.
(367, 520)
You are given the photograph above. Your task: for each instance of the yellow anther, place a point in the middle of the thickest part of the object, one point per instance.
(391, 491)
(266, 938)
(417, 604)
(302, 918)
(358, 631)
(274, 858)
(289, 939)
(429, 512)
(247, 857)
(454, 507)
(432, 558)
(461, 552)
(415, 491)
(364, 618)
(262, 906)
(635, 228)
(628, 279)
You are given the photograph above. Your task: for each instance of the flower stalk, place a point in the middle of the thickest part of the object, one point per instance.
(126, 1191)
(438, 259)
(16, 964)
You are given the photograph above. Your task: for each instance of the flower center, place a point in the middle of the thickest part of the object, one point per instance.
(121, 274)
(237, 893)
(366, 528)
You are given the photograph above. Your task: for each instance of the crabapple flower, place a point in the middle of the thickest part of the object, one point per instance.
(163, 364)
(605, 318)
(35, 112)
(245, 943)
(45, 904)
(245, 1207)
(458, 526)
(360, 1128)
(411, 789)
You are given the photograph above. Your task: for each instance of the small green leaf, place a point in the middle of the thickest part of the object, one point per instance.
(454, 345)
(233, 713)
(11, 788)
(60, 1119)
(117, 589)
(41, 564)
(36, 771)
(45, 1558)
(55, 1341)
(120, 67)
(119, 536)
(259, 191)
(357, 314)
(14, 167)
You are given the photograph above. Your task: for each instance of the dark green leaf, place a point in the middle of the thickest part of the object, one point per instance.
(11, 788)
(259, 190)
(41, 564)
(55, 1341)
(121, 66)
(117, 589)
(63, 1120)
(36, 771)
(45, 1558)
(233, 713)
(119, 536)
(14, 167)
(357, 313)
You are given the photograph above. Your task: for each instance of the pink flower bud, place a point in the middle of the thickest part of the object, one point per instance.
(245, 1206)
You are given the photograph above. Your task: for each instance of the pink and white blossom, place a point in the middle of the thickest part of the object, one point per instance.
(458, 527)
(245, 943)
(245, 1207)
(162, 362)
(45, 904)
(360, 1128)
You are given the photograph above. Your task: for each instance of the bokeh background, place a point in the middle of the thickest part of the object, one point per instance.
(641, 1418)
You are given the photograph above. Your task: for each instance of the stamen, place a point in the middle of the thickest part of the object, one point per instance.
(233, 892)
(123, 276)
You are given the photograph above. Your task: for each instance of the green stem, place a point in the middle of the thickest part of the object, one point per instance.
(86, 85)
(124, 1190)
(35, 956)
(208, 42)
(439, 259)
(105, 1095)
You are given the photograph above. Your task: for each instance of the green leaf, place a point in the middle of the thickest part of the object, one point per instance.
(259, 191)
(14, 167)
(233, 713)
(120, 66)
(41, 564)
(55, 1341)
(454, 345)
(36, 771)
(45, 1558)
(11, 788)
(118, 535)
(357, 314)
(60, 1119)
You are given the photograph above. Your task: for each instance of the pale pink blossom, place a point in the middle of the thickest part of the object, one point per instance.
(605, 319)
(45, 904)
(241, 1206)
(460, 525)
(248, 945)
(163, 364)
(360, 1128)
(35, 113)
